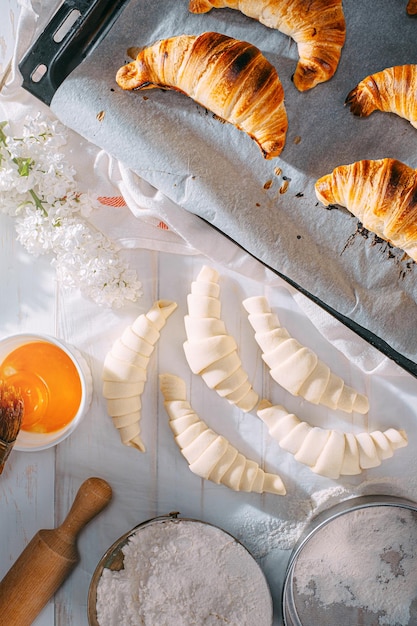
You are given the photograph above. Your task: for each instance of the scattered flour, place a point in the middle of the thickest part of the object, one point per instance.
(184, 573)
(365, 559)
(281, 526)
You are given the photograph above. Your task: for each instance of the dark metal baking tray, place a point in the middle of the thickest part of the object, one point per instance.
(58, 58)
(53, 56)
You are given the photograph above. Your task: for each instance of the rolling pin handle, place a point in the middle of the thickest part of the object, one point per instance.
(93, 495)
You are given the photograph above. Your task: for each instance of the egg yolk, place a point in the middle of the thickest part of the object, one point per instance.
(48, 382)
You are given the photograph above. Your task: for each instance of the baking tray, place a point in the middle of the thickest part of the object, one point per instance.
(59, 59)
(73, 32)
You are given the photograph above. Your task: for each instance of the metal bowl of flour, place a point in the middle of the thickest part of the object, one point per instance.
(171, 570)
(356, 564)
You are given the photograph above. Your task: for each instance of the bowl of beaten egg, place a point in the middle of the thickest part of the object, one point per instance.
(55, 383)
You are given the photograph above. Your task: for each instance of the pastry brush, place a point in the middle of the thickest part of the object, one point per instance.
(11, 415)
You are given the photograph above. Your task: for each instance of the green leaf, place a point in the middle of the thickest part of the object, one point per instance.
(24, 165)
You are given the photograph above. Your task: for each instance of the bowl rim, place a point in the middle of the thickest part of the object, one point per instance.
(354, 503)
(116, 547)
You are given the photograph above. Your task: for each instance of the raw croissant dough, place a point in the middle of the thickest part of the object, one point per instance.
(382, 194)
(318, 27)
(208, 454)
(329, 453)
(297, 368)
(209, 350)
(394, 90)
(125, 371)
(229, 77)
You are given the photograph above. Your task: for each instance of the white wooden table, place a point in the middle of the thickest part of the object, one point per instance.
(37, 488)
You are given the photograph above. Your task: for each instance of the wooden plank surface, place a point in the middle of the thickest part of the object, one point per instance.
(37, 489)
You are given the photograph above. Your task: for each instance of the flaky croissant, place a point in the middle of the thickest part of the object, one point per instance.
(382, 194)
(229, 77)
(210, 351)
(318, 28)
(125, 371)
(297, 368)
(328, 452)
(412, 7)
(394, 90)
(210, 455)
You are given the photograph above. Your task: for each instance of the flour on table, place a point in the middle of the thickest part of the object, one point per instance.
(281, 527)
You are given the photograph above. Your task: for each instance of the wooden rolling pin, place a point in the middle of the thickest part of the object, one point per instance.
(48, 559)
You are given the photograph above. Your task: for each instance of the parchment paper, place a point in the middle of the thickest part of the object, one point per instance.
(218, 173)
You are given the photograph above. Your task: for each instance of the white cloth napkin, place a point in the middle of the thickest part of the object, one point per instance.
(150, 205)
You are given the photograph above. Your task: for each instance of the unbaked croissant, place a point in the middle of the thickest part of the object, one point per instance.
(318, 27)
(382, 194)
(394, 90)
(412, 7)
(229, 77)
(208, 454)
(328, 452)
(125, 371)
(297, 368)
(210, 351)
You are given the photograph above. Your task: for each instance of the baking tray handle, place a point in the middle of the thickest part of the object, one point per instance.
(74, 30)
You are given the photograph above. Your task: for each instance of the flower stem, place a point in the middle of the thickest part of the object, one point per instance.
(3, 136)
(38, 203)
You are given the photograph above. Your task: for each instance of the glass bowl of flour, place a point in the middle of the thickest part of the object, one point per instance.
(177, 571)
(356, 565)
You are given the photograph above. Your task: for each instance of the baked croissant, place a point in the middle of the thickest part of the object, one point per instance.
(208, 454)
(317, 27)
(210, 351)
(329, 452)
(229, 77)
(125, 371)
(412, 7)
(297, 368)
(382, 194)
(394, 90)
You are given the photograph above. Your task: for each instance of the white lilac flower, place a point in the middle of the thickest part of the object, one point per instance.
(38, 188)
(8, 177)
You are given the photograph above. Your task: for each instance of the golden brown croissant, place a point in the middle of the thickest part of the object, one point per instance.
(317, 26)
(393, 90)
(229, 77)
(412, 7)
(382, 194)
